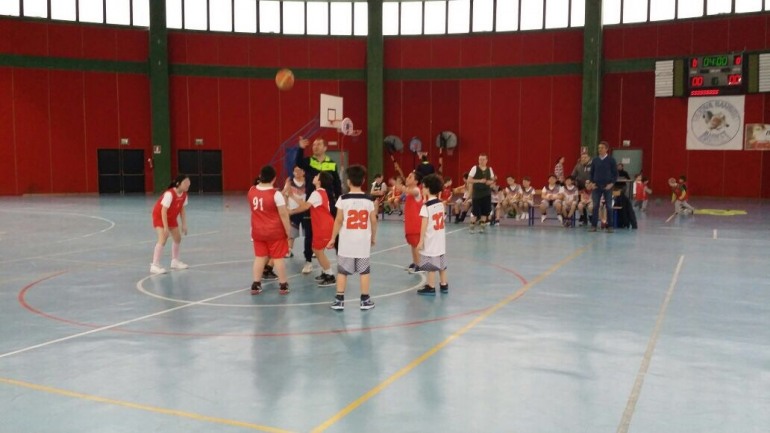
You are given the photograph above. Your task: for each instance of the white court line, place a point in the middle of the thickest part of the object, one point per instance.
(672, 216)
(108, 221)
(625, 421)
(715, 233)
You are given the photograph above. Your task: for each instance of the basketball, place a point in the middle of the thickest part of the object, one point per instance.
(671, 182)
(284, 79)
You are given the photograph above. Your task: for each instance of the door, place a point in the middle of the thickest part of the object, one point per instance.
(121, 171)
(204, 167)
(632, 163)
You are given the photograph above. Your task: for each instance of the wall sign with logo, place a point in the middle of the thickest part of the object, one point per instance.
(715, 123)
(757, 136)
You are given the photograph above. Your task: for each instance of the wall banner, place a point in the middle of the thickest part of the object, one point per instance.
(757, 136)
(715, 123)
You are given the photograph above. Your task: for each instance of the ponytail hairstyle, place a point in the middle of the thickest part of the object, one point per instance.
(178, 180)
(327, 183)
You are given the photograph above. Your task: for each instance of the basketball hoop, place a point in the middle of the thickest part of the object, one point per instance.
(345, 127)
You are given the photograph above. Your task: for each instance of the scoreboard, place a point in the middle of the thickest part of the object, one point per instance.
(722, 74)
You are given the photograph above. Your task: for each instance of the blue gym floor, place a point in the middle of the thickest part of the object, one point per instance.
(545, 329)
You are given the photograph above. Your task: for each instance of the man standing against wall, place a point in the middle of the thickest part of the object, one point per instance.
(313, 165)
(481, 177)
(604, 174)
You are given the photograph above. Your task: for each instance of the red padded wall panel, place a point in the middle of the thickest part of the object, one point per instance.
(352, 53)
(202, 49)
(712, 36)
(99, 43)
(203, 103)
(675, 39)
(265, 118)
(749, 182)
(537, 47)
(506, 49)
(445, 52)
(294, 110)
(179, 114)
(612, 43)
(177, 47)
(611, 108)
(265, 51)
(68, 148)
(133, 44)
(566, 99)
(9, 184)
(535, 124)
(392, 53)
(25, 37)
(354, 93)
(233, 50)
(476, 51)
(322, 53)
(636, 117)
(415, 115)
(505, 117)
(445, 112)
(669, 157)
(474, 133)
(32, 116)
(705, 172)
(568, 47)
(65, 40)
(235, 134)
(294, 52)
(640, 42)
(747, 33)
(393, 118)
(134, 116)
(415, 53)
(101, 117)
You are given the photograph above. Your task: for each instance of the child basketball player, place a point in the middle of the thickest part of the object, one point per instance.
(169, 206)
(356, 225)
(321, 221)
(270, 229)
(412, 221)
(432, 244)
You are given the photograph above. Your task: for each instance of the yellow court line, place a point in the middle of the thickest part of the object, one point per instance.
(144, 407)
(425, 356)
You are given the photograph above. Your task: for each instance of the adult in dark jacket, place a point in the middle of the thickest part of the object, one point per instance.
(313, 165)
(604, 174)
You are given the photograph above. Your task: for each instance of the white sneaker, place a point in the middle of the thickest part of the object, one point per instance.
(156, 269)
(308, 268)
(561, 219)
(178, 264)
(542, 219)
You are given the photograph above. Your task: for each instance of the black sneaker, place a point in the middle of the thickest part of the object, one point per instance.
(444, 288)
(256, 288)
(269, 275)
(329, 280)
(427, 291)
(284, 289)
(338, 304)
(320, 277)
(416, 270)
(410, 267)
(367, 304)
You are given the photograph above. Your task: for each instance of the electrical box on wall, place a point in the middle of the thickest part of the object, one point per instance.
(124, 141)
(199, 142)
(626, 143)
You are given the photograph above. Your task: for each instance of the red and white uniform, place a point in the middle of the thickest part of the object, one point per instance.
(321, 219)
(640, 191)
(570, 194)
(434, 244)
(267, 231)
(174, 203)
(356, 232)
(445, 194)
(412, 221)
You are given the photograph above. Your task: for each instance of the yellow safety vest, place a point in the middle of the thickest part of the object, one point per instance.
(326, 165)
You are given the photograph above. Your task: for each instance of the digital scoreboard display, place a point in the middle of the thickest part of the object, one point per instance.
(722, 74)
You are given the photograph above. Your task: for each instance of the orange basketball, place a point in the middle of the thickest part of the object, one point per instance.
(284, 79)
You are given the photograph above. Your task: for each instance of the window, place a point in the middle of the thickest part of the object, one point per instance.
(118, 12)
(269, 16)
(557, 14)
(531, 14)
(715, 7)
(411, 18)
(91, 11)
(483, 14)
(690, 9)
(342, 18)
(578, 18)
(611, 12)
(195, 15)
(360, 19)
(459, 16)
(435, 18)
(507, 16)
(63, 10)
(9, 8)
(318, 18)
(141, 13)
(634, 11)
(390, 18)
(35, 8)
(294, 18)
(245, 16)
(748, 5)
(221, 15)
(662, 10)
(174, 14)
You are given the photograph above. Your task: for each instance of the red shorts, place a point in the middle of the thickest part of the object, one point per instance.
(412, 239)
(158, 222)
(273, 249)
(320, 241)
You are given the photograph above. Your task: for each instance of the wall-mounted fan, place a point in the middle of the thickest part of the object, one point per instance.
(394, 144)
(445, 140)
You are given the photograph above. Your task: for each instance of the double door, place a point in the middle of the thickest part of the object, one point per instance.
(121, 171)
(204, 167)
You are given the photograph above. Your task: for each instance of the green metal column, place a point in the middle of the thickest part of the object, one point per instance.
(159, 95)
(592, 75)
(375, 71)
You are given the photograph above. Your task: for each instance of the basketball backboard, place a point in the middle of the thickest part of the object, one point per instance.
(331, 111)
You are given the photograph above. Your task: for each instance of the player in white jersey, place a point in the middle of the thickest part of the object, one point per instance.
(432, 244)
(356, 225)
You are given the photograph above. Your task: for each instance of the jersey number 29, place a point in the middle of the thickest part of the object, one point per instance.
(357, 219)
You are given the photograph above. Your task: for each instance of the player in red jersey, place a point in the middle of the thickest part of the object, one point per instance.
(412, 219)
(322, 223)
(167, 209)
(269, 229)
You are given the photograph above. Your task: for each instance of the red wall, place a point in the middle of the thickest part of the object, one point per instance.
(658, 125)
